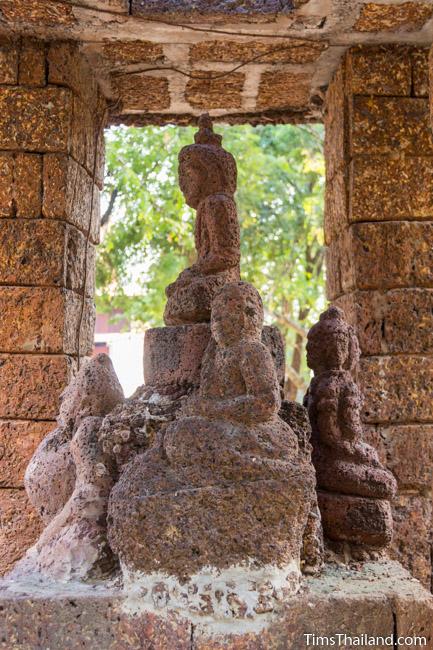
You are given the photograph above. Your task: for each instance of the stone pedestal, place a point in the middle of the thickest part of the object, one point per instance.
(379, 600)
(173, 355)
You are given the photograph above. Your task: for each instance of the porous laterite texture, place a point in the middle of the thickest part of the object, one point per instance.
(209, 89)
(407, 16)
(20, 527)
(51, 114)
(379, 233)
(294, 51)
(142, 91)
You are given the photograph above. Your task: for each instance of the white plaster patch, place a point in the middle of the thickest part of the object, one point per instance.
(235, 600)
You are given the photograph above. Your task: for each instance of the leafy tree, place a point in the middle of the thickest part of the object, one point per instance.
(148, 229)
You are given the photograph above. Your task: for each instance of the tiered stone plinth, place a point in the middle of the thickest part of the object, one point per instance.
(379, 600)
(173, 355)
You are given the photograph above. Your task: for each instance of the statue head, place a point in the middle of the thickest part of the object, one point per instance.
(205, 168)
(237, 314)
(94, 391)
(332, 343)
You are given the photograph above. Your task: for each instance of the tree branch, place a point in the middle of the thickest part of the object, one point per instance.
(107, 214)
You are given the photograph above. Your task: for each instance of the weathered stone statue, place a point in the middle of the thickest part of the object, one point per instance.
(69, 479)
(225, 488)
(207, 178)
(355, 488)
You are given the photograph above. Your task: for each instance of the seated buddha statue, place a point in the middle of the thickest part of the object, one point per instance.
(345, 464)
(226, 483)
(207, 178)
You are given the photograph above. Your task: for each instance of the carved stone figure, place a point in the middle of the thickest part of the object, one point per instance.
(226, 484)
(355, 488)
(207, 178)
(70, 477)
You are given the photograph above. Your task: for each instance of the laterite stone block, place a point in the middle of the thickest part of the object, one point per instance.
(32, 63)
(390, 125)
(391, 322)
(68, 194)
(44, 319)
(397, 389)
(35, 119)
(409, 455)
(20, 527)
(385, 188)
(18, 441)
(30, 385)
(44, 252)
(390, 255)
(412, 535)
(382, 70)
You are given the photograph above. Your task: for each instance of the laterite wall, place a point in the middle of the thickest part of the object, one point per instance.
(379, 236)
(50, 117)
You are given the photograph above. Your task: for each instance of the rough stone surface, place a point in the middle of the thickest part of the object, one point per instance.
(413, 513)
(362, 522)
(8, 62)
(420, 72)
(36, 12)
(382, 125)
(69, 479)
(209, 90)
(48, 252)
(409, 455)
(207, 178)
(34, 119)
(355, 505)
(398, 321)
(20, 527)
(378, 149)
(375, 600)
(67, 67)
(405, 258)
(227, 457)
(50, 476)
(32, 68)
(283, 90)
(407, 16)
(120, 54)
(19, 438)
(172, 355)
(37, 396)
(139, 91)
(391, 189)
(386, 379)
(381, 70)
(42, 259)
(68, 193)
(293, 51)
(20, 185)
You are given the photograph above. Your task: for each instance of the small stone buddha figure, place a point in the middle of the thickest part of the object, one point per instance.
(226, 484)
(207, 178)
(355, 487)
(69, 479)
(50, 476)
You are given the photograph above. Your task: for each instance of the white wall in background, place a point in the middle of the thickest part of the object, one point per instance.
(126, 353)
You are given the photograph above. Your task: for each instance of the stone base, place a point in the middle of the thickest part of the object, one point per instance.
(173, 355)
(376, 600)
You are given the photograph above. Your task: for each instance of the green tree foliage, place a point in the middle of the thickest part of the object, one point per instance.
(148, 229)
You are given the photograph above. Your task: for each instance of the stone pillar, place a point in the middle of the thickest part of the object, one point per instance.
(379, 236)
(51, 155)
